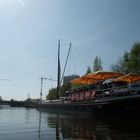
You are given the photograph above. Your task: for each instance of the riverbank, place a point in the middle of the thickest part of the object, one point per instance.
(14, 103)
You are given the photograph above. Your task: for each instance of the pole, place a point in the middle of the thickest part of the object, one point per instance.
(65, 63)
(41, 89)
(58, 72)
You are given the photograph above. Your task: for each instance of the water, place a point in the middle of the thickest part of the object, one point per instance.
(31, 124)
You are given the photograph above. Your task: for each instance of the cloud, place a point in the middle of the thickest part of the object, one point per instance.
(21, 2)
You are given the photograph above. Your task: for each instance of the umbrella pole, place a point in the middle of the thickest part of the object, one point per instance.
(131, 86)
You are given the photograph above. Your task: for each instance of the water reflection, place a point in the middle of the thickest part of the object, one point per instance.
(72, 127)
(86, 127)
(39, 130)
(23, 124)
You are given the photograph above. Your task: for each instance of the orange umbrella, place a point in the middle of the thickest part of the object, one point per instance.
(101, 75)
(129, 78)
(83, 80)
(95, 77)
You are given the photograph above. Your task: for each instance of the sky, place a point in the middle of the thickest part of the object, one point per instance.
(30, 30)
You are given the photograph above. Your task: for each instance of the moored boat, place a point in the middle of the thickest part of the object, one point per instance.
(119, 96)
(101, 92)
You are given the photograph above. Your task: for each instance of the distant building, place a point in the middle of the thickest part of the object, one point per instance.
(67, 79)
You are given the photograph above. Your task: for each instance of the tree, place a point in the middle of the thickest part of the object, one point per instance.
(88, 70)
(134, 62)
(130, 62)
(119, 66)
(65, 87)
(52, 95)
(97, 64)
(126, 59)
(100, 64)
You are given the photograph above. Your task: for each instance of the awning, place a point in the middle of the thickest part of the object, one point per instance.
(95, 77)
(129, 78)
(102, 75)
(83, 80)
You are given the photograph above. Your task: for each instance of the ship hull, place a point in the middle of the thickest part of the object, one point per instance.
(118, 105)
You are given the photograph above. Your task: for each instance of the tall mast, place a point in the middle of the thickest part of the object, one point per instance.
(59, 71)
(65, 64)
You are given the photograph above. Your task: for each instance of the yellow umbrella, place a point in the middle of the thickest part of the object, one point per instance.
(129, 78)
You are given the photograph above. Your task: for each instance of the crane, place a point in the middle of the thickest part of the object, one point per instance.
(41, 84)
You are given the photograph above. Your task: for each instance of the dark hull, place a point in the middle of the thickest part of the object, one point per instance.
(112, 105)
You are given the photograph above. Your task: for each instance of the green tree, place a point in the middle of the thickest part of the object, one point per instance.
(126, 60)
(65, 87)
(119, 66)
(97, 64)
(130, 62)
(52, 95)
(134, 62)
(88, 70)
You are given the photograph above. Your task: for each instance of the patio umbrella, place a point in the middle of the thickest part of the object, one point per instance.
(102, 75)
(95, 77)
(83, 80)
(129, 78)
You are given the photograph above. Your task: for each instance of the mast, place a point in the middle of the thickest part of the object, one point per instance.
(59, 71)
(65, 64)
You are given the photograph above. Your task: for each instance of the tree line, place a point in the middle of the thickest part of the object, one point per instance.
(129, 62)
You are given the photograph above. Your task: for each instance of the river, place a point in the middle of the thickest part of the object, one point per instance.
(31, 124)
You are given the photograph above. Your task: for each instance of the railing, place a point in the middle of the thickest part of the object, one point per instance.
(78, 96)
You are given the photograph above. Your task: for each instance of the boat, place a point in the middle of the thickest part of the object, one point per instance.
(101, 92)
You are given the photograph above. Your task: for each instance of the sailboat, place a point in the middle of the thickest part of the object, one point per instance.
(99, 96)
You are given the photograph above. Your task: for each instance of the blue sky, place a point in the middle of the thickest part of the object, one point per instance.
(30, 29)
